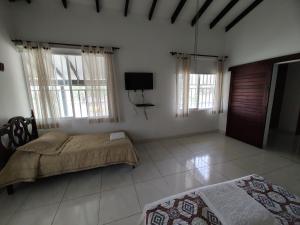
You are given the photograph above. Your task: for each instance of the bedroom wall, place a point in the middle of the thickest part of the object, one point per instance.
(13, 98)
(271, 30)
(144, 46)
(291, 99)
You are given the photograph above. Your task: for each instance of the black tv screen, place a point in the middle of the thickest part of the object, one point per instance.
(138, 81)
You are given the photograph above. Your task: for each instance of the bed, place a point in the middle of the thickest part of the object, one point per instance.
(26, 157)
(249, 200)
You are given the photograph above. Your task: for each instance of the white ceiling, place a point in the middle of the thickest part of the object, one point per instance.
(165, 8)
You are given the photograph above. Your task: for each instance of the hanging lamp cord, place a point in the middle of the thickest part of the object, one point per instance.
(196, 37)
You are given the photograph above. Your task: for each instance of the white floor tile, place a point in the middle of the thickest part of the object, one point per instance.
(144, 172)
(294, 188)
(157, 152)
(207, 175)
(118, 204)
(173, 146)
(216, 158)
(81, 211)
(181, 182)
(262, 163)
(39, 216)
(288, 176)
(230, 171)
(153, 190)
(144, 157)
(131, 220)
(141, 147)
(46, 191)
(190, 161)
(116, 176)
(169, 166)
(185, 155)
(83, 183)
(9, 204)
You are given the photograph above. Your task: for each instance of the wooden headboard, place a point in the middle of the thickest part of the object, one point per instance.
(17, 132)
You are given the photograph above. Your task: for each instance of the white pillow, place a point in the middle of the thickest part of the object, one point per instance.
(117, 135)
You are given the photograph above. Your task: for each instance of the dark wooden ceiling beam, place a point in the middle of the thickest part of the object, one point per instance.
(28, 1)
(98, 6)
(227, 8)
(154, 2)
(126, 8)
(243, 14)
(201, 11)
(64, 2)
(177, 10)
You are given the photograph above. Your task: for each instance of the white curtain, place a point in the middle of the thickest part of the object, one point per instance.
(100, 82)
(183, 63)
(218, 102)
(41, 84)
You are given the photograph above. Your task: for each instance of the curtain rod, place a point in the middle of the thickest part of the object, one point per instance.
(55, 44)
(192, 54)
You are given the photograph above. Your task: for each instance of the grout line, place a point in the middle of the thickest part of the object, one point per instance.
(19, 207)
(153, 162)
(117, 220)
(194, 134)
(60, 203)
(81, 196)
(101, 183)
(137, 196)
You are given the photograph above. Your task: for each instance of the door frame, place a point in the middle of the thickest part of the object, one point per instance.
(272, 63)
(298, 125)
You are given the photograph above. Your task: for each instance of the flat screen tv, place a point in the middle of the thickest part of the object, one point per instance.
(138, 81)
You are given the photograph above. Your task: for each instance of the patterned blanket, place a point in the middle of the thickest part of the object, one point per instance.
(192, 209)
(284, 205)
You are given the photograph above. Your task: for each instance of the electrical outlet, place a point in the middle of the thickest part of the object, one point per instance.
(1, 67)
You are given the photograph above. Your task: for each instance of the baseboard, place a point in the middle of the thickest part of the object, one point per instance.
(141, 141)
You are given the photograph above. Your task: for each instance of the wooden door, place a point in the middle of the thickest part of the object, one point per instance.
(248, 102)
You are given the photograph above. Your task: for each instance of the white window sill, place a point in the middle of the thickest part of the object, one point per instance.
(77, 118)
(200, 110)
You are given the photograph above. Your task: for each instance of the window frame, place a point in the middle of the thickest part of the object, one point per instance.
(197, 109)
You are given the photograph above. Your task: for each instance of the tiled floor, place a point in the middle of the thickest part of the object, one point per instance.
(116, 195)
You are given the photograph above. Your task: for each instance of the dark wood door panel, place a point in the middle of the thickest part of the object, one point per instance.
(249, 91)
(247, 131)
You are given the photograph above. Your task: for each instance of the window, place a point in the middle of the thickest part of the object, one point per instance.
(71, 89)
(202, 91)
(72, 92)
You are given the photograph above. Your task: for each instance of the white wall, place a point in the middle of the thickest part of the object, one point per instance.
(271, 30)
(291, 99)
(144, 46)
(13, 97)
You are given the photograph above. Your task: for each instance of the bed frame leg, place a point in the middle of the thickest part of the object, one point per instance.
(10, 190)
(133, 167)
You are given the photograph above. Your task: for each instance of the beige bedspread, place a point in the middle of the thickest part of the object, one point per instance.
(77, 153)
